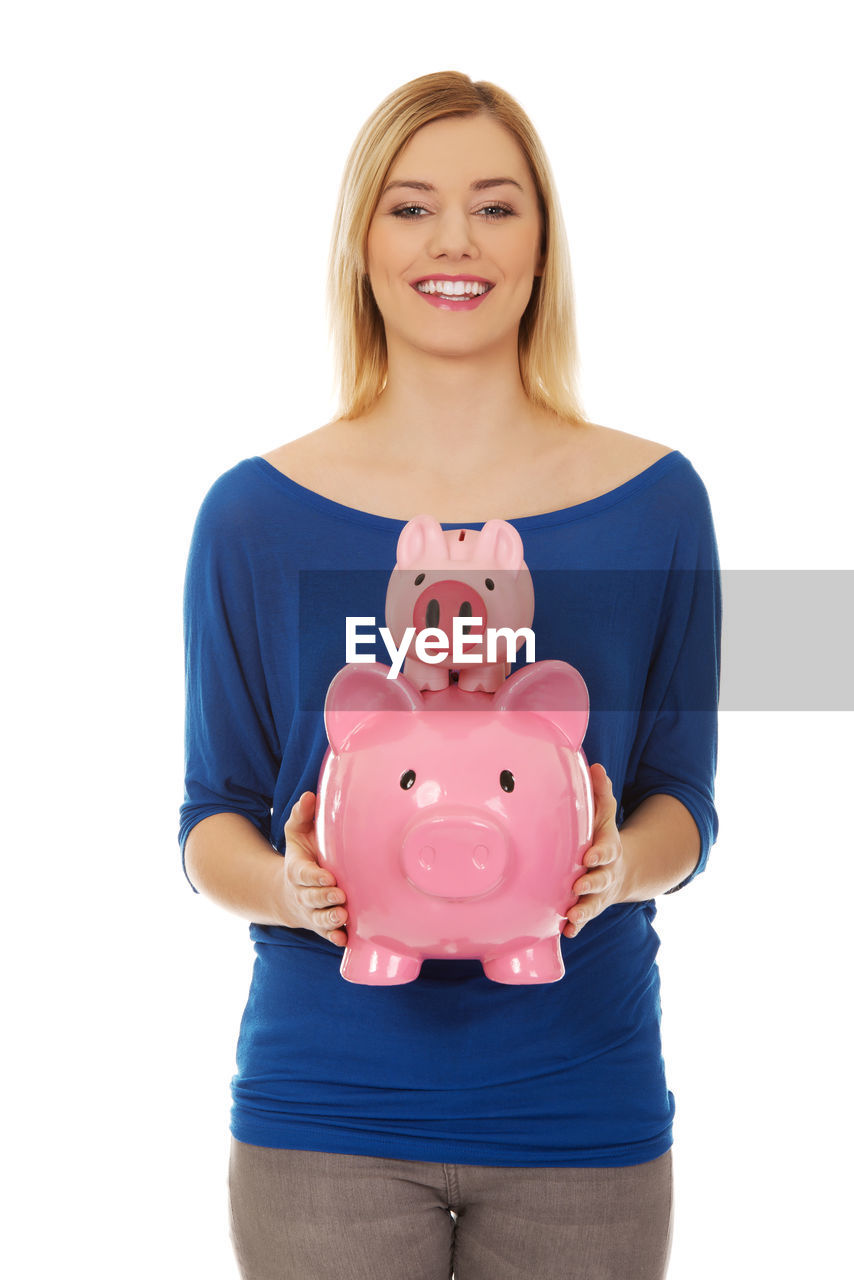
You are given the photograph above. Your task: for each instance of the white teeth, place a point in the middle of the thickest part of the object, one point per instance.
(452, 288)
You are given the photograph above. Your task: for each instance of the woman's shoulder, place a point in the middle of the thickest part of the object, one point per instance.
(679, 490)
(308, 458)
(600, 460)
(619, 453)
(674, 486)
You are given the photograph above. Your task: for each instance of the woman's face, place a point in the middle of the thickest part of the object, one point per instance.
(458, 202)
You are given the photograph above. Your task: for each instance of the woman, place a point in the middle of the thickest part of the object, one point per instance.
(452, 1122)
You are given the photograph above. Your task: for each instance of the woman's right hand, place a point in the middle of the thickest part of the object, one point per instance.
(315, 902)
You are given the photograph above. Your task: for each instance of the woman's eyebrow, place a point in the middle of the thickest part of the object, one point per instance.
(481, 184)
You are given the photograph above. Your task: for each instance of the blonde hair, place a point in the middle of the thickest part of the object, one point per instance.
(548, 352)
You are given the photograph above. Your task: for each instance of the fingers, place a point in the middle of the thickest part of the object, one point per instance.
(301, 818)
(324, 907)
(605, 847)
(603, 796)
(306, 869)
(593, 883)
(605, 850)
(321, 901)
(595, 888)
(592, 891)
(330, 923)
(330, 912)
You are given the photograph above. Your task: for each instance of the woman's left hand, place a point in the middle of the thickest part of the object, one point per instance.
(601, 883)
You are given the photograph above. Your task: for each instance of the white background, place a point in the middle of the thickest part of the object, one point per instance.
(171, 172)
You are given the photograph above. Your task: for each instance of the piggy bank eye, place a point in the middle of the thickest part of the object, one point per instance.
(407, 779)
(507, 780)
(490, 585)
(420, 579)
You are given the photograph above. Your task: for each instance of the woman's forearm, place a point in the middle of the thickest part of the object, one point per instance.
(661, 846)
(228, 860)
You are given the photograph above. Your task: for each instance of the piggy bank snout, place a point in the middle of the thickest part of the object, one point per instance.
(455, 855)
(441, 602)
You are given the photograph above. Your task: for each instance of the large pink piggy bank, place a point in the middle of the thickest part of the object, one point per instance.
(466, 573)
(455, 822)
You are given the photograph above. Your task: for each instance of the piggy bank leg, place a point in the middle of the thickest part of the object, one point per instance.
(541, 962)
(424, 676)
(482, 679)
(377, 966)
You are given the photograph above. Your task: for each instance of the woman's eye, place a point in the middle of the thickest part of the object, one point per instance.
(503, 211)
(410, 211)
(406, 210)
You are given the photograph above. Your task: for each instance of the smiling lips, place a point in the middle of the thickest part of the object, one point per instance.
(453, 293)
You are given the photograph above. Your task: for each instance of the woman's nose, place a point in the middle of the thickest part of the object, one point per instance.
(452, 233)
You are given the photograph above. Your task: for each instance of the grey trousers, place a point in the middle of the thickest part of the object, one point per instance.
(308, 1215)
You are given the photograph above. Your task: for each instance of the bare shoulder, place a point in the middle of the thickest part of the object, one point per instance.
(308, 457)
(599, 459)
(619, 450)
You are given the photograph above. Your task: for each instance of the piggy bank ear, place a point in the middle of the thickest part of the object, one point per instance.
(357, 692)
(421, 543)
(501, 545)
(552, 689)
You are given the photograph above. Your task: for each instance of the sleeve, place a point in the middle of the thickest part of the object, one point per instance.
(675, 751)
(231, 747)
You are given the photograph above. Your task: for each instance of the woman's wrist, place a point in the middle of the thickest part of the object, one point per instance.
(229, 860)
(660, 848)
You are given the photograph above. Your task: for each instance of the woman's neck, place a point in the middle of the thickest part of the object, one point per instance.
(460, 414)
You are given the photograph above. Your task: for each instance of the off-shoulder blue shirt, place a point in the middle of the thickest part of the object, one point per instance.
(453, 1067)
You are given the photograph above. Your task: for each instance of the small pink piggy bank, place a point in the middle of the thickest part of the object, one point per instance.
(464, 573)
(455, 822)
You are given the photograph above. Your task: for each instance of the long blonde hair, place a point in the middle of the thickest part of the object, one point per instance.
(548, 353)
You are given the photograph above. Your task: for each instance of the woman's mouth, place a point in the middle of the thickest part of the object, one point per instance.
(453, 295)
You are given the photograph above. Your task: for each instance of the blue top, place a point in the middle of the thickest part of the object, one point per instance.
(453, 1067)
